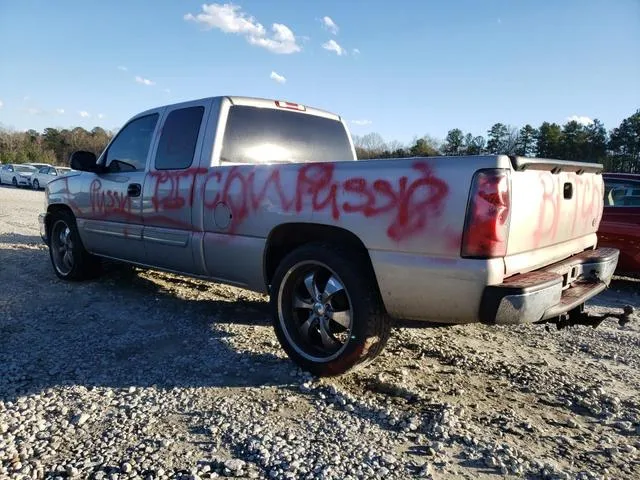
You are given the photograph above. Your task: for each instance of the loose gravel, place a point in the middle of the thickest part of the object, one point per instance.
(148, 375)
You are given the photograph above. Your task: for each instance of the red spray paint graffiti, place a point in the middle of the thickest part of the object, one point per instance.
(108, 202)
(584, 204)
(409, 203)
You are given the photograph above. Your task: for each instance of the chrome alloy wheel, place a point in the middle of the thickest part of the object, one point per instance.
(62, 248)
(315, 311)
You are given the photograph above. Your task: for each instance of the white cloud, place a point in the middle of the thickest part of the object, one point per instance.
(84, 114)
(124, 69)
(60, 111)
(1, 104)
(230, 19)
(356, 51)
(278, 78)
(166, 90)
(33, 111)
(333, 46)
(581, 119)
(330, 25)
(361, 122)
(101, 116)
(144, 81)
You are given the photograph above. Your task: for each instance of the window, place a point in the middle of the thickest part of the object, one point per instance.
(622, 194)
(128, 152)
(178, 139)
(44, 170)
(255, 135)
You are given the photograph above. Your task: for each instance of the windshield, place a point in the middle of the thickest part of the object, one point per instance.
(24, 169)
(265, 135)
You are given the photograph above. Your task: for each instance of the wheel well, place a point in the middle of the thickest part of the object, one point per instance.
(52, 210)
(285, 238)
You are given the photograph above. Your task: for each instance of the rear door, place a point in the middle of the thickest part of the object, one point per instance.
(170, 187)
(112, 224)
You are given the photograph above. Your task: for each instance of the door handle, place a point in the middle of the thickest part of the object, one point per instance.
(134, 189)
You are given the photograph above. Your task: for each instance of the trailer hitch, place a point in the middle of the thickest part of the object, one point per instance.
(578, 316)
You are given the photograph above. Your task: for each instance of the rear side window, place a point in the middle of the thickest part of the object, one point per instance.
(178, 139)
(262, 135)
(622, 194)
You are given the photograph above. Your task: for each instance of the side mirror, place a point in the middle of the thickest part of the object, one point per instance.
(83, 161)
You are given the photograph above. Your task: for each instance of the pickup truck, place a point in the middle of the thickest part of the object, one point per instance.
(268, 195)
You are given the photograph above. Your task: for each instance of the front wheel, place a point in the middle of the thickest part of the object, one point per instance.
(68, 256)
(14, 182)
(328, 315)
(36, 185)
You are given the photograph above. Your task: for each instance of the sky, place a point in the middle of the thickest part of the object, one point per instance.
(403, 69)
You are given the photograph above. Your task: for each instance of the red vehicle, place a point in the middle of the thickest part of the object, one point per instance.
(620, 225)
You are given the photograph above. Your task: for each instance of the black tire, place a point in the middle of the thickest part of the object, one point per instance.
(369, 324)
(80, 265)
(36, 185)
(14, 182)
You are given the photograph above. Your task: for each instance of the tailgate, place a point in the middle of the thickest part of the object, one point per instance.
(556, 207)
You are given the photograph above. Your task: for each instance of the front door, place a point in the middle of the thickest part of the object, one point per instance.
(113, 200)
(169, 190)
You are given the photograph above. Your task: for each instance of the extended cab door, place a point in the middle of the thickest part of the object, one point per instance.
(112, 225)
(171, 187)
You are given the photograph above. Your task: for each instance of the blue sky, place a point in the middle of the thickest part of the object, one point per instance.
(401, 68)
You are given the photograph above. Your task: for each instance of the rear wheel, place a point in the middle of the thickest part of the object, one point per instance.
(328, 315)
(36, 185)
(14, 182)
(68, 256)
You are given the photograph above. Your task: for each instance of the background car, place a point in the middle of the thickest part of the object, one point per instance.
(620, 225)
(17, 175)
(38, 166)
(43, 176)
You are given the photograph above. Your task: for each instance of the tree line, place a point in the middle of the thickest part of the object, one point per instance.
(53, 146)
(618, 150)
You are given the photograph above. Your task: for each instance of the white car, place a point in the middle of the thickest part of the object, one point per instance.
(17, 175)
(38, 166)
(42, 177)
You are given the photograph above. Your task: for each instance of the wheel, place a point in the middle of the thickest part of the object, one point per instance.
(68, 256)
(36, 185)
(14, 182)
(327, 311)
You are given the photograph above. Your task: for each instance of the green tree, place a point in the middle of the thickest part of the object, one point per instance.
(497, 138)
(424, 147)
(549, 141)
(526, 145)
(454, 143)
(624, 144)
(473, 145)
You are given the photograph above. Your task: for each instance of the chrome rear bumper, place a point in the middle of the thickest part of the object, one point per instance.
(550, 292)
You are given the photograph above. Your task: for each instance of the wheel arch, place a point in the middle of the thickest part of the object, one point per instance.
(52, 210)
(286, 237)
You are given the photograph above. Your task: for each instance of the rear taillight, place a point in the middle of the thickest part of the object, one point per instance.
(487, 224)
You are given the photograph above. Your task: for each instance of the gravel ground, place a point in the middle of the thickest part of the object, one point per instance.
(142, 374)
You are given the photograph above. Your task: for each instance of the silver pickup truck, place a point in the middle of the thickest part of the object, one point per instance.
(269, 196)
